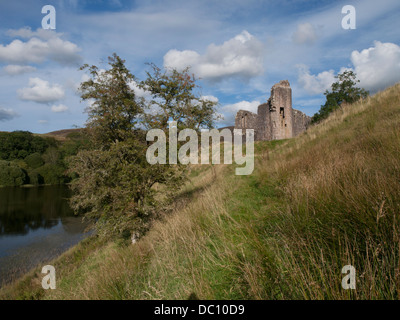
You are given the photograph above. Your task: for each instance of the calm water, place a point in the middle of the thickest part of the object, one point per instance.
(36, 225)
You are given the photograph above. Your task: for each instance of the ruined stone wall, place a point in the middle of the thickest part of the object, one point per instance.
(247, 120)
(264, 123)
(300, 123)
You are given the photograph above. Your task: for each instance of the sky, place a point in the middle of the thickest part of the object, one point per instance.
(238, 49)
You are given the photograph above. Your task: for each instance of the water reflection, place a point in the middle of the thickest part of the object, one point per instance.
(25, 209)
(36, 225)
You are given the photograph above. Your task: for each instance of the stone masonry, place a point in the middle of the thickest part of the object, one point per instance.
(275, 119)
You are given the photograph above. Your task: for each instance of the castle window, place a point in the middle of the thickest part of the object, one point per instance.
(282, 112)
(244, 121)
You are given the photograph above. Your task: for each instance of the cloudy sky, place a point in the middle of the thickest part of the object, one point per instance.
(239, 49)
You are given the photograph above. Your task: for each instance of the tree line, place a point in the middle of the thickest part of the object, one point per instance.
(26, 158)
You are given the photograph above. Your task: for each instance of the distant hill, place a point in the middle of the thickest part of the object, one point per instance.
(61, 134)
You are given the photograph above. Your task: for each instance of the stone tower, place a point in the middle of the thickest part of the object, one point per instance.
(275, 119)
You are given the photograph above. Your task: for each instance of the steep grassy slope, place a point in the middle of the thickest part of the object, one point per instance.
(314, 204)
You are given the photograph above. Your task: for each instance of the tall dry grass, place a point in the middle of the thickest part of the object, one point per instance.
(175, 260)
(341, 181)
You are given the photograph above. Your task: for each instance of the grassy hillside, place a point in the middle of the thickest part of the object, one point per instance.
(314, 204)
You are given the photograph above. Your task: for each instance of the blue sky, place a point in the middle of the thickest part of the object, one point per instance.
(238, 48)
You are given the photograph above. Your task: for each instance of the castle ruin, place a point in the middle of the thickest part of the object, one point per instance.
(275, 119)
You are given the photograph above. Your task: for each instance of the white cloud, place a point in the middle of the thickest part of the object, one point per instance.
(60, 108)
(315, 84)
(242, 105)
(13, 69)
(27, 33)
(43, 121)
(41, 91)
(377, 67)
(37, 50)
(306, 33)
(181, 59)
(241, 56)
(209, 98)
(7, 114)
(229, 111)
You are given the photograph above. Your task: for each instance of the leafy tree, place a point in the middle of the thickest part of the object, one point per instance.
(52, 155)
(174, 99)
(343, 91)
(11, 174)
(51, 174)
(20, 144)
(75, 142)
(34, 160)
(35, 178)
(114, 110)
(116, 186)
(108, 182)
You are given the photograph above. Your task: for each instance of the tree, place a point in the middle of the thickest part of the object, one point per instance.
(116, 186)
(34, 160)
(343, 91)
(51, 174)
(20, 144)
(75, 141)
(11, 174)
(174, 99)
(115, 109)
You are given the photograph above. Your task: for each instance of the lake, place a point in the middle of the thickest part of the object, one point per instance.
(36, 225)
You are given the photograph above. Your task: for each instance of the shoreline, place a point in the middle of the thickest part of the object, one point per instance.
(27, 286)
(36, 185)
(19, 264)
